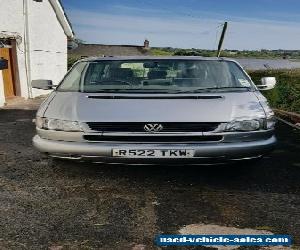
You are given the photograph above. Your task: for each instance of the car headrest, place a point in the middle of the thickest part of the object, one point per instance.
(157, 74)
(121, 73)
(190, 73)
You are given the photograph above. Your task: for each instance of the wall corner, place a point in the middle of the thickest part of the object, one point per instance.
(2, 96)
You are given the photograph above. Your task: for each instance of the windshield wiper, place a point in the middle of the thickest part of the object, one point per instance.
(112, 81)
(230, 87)
(167, 91)
(106, 90)
(133, 91)
(201, 90)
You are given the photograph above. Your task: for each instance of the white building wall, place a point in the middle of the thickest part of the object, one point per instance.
(48, 44)
(47, 39)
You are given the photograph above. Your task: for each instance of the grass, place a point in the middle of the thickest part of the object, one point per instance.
(160, 52)
(266, 54)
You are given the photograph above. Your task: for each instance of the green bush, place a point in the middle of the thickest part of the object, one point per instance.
(286, 94)
(71, 61)
(160, 52)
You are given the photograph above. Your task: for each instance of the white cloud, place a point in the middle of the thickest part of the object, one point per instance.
(183, 31)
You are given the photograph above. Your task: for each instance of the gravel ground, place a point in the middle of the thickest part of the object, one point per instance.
(46, 204)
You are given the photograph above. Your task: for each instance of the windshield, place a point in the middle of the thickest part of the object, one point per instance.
(156, 76)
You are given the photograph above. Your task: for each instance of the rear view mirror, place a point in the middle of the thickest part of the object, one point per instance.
(150, 65)
(267, 83)
(3, 64)
(42, 84)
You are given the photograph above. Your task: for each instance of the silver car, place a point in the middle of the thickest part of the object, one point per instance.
(156, 109)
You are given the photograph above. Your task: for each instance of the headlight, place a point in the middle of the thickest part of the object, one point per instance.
(59, 125)
(270, 122)
(251, 125)
(245, 125)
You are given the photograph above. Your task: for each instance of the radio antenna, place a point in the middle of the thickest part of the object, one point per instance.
(222, 39)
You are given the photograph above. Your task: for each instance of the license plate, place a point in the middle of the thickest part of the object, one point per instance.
(153, 153)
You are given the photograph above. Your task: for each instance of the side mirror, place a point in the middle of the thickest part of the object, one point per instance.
(3, 64)
(42, 84)
(267, 83)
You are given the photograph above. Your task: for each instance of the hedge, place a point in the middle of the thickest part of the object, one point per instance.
(286, 94)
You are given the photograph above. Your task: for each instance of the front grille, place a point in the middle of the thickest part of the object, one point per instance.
(151, 139)
(139, 126)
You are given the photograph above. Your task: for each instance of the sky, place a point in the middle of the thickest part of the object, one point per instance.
(252, 24)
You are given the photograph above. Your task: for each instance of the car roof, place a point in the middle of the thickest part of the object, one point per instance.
(133, 58)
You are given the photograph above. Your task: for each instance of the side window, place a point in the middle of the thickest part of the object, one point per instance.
(95, 73)
(240, 78)
(72, 80)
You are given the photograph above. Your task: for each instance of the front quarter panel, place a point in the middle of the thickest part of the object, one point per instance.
(43, 107)
(64, 106)
(265, 104)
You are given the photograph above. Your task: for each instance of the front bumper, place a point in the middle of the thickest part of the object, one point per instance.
(204, 152)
